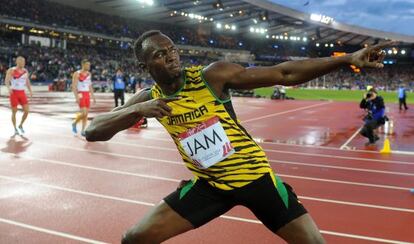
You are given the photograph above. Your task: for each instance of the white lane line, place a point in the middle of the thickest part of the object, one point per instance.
(326, 232)
(152, 204)
(181, 163)
(339, 157)
(177, 180)
(345, 145)
(342, 168)
(138, 145)
(334, 233)
(57, 162)
(285, 112)
(49, 231)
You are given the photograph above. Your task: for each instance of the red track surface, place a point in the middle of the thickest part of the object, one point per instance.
(57, 188)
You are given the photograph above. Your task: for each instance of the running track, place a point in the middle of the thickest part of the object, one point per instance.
(58, 188)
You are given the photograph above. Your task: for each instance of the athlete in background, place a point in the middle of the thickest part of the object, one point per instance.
(82, 89)
(17, 80)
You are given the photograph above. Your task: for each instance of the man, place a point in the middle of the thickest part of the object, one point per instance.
(82, 89)
(119, 85)
(230, 169)
(17, 80)
(374, 104)
(133, 83)
(402, 97)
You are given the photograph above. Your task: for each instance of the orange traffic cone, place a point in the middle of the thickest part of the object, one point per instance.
(387, 147)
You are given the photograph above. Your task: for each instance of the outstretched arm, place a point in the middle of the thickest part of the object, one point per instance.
(292, 72)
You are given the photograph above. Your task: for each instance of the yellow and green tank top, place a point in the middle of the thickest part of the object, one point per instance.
(199, 104)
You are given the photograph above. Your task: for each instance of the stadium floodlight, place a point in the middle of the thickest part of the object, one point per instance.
(317, 44)
(394, 51)
(389, 51)
(146, 2)
(240, 44)
(218, 25)
(251, 29)
(403, 52)
(267, 36)
(255, 21)
(331, 45)
(305, 39)
(233, 27)
(326, 45)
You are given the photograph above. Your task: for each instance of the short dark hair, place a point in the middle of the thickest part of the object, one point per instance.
(373, 90)
(84, 61)
(138, 51)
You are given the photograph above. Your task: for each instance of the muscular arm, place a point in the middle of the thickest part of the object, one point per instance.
(91, 89)
(29, 86)
(222, 75)
(8, 79)
(104, 126)
(75, 80)
(288, 73)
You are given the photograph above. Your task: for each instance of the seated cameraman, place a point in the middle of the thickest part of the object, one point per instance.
(374, 104)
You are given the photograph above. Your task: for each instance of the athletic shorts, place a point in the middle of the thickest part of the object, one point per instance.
(18, 97)
(84, 100)
(274, 205)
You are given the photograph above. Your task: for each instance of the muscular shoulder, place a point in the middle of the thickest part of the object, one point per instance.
(221, 71)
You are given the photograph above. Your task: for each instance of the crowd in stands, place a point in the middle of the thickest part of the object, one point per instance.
(51, 64)
(56, 64)
(388, 78)
(49, 13)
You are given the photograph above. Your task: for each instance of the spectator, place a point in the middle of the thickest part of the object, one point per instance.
(119, 84)
(402, 96)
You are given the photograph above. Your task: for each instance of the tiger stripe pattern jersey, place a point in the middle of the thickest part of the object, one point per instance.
(199, 103)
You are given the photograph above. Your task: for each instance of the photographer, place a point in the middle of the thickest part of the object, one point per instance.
(374, 104)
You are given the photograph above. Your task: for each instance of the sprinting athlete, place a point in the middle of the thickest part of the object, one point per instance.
(82, 89)
(194, 106)
(17, 80)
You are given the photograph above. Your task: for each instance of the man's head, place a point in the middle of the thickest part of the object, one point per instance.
(119, 72)
(86, 65)
(372, 94)
(158, 55)
(20, 62)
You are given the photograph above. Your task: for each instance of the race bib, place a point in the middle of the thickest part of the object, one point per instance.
(206, 144)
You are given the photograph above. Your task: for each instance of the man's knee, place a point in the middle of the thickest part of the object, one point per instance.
(316, 238)
(139, 236)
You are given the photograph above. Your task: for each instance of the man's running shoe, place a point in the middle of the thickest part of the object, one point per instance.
(74, 129)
